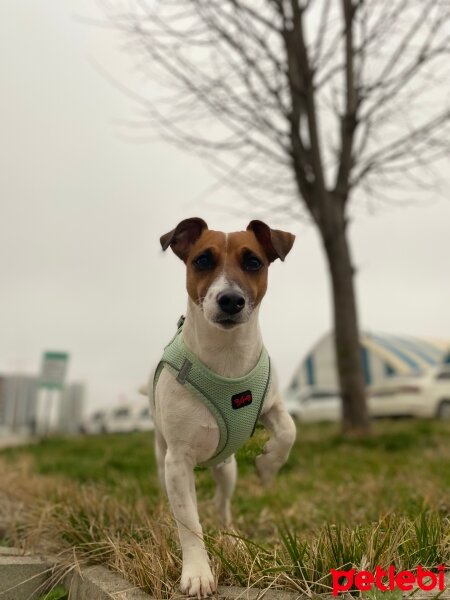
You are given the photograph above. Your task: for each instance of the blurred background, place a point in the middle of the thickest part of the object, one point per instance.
(83, 204)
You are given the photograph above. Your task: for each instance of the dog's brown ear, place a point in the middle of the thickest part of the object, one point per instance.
(183, 236)
(276, 243)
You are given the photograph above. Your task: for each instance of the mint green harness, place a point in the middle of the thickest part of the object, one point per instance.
(235, 403)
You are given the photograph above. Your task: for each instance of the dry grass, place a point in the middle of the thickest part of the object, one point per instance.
(112, 521)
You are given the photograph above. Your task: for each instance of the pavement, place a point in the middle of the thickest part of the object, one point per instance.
(15, 439)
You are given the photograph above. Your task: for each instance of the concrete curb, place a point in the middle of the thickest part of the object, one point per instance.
(26, 577)
(98, 583)
(21, 577)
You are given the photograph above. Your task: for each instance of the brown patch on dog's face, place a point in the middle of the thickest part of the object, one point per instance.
(226, 274)
(232, 256)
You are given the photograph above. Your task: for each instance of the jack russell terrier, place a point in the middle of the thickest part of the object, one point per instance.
(214, 380)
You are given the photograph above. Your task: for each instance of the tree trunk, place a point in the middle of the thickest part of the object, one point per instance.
(355, 419)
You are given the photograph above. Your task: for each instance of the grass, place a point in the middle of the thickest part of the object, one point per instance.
(57, 593)
(338, 502)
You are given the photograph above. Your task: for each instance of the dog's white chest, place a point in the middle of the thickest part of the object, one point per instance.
(184, 420)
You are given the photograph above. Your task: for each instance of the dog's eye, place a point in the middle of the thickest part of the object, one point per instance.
(204, 262)
(252, 263)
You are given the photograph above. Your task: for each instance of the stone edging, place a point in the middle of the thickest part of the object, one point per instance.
(21, 575)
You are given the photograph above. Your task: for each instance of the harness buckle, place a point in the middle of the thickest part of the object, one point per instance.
(184, 371)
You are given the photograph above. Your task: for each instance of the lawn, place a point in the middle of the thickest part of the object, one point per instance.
(381, 500)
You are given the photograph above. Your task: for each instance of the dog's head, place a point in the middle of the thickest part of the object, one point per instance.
(227, 272)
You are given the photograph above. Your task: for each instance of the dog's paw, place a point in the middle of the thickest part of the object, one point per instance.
(197, 580)
(266, 468)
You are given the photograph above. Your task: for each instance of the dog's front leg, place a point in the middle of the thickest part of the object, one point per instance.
(276, 451)
(196, 577)
(225, 477)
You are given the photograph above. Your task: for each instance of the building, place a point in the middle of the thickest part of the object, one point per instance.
(71, 408)
(18, 394)
(20, 399)
(382, 356)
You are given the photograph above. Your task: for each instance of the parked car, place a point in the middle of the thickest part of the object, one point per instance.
(119, 419)
(94, 424)
(313, 404)
(125, 418)
(424, 396)
(144, 421)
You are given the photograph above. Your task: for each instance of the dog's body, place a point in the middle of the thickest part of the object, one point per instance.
(226, 280)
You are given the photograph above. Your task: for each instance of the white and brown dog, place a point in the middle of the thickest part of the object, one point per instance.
(226, 281)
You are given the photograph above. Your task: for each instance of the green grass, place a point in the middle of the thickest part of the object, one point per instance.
(381, 500)
(57, 593)
(403, 468)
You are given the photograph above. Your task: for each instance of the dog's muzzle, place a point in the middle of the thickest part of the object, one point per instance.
(230, 304)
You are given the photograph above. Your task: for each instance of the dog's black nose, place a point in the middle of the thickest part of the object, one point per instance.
(231, 302)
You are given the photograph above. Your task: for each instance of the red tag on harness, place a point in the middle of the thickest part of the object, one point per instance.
(242, 399)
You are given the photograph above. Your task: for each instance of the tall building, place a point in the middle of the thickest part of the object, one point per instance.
(18, 395)
(71, 408)
(22, 401)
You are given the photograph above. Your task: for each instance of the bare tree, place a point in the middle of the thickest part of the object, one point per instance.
(300, 103)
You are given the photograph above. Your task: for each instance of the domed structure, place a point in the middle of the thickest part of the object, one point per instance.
(382, 356)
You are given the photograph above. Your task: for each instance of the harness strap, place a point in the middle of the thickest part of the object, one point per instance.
(235, 403)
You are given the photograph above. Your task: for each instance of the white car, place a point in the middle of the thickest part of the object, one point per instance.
(125, 418)
(119, 419)
(423, 396)
(128, 418)
(94, 424)
(144, 421)
(313, 404)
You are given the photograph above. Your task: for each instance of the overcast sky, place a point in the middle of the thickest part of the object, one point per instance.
(81, 212)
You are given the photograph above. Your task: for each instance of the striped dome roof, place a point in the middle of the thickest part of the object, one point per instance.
(407, 355)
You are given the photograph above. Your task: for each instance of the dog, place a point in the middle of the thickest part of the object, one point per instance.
(226, 280)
